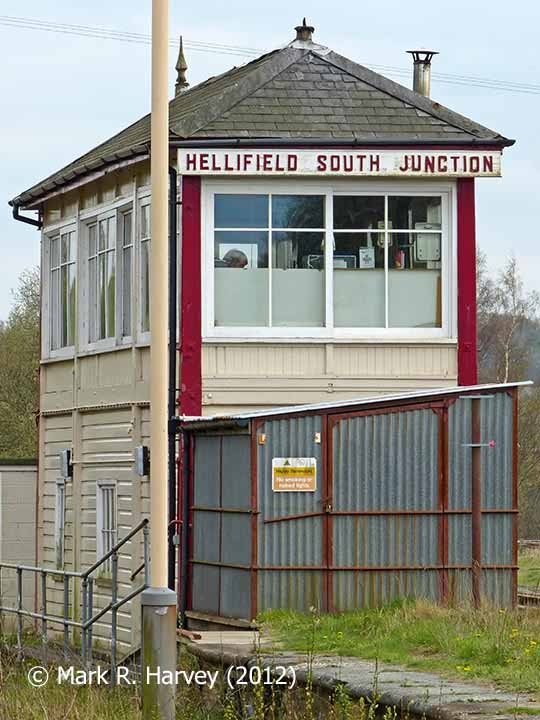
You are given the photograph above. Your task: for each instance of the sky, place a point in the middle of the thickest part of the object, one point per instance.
(63, 94)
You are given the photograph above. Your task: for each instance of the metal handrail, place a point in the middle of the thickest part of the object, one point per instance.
(115, 548)
(88, 618)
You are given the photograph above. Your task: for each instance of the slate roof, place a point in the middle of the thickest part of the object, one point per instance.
(302, 92)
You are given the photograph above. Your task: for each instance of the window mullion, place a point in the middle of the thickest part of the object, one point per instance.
(386, 295)
(270, 251)
(329, 261)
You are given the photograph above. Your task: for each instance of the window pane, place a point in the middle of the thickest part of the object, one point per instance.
(111, 295)
(65, 247)
(241, 279)
(103, 241)
(359, 280)
(414, 281)
(127, 229)
(72, 304)
(298, 295)
(92, 235)
(55, 252)
(102, 289)
(358, 212)
(126, 292)
(297, 211)
(145, 286)
(407, 213)
(64, 303)
(111, 233)
(241, 211)
(145, 221)
(92, 297)
(55, 309)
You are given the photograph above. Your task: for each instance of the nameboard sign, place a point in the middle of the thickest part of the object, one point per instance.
(345, 163)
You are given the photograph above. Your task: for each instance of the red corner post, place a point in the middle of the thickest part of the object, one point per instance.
(466, 282)
(190, 400)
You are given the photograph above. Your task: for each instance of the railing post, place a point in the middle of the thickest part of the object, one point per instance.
(19, 610)
(476, 502)
(66, 613)
(84, 618)
(114, 612)
(43, 607)
(146, 555)
(90, 613)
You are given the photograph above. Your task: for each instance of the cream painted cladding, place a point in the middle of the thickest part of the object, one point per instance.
(242, 376)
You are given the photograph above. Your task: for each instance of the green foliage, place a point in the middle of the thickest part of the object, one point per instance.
(529, 569)
(490, 644)
(19, 371)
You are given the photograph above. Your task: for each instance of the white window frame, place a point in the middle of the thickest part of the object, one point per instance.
(446, 190)
(60, 523)
(143, 199)
(116, 212)
(48, 306)
(125, 339)
(101, 486)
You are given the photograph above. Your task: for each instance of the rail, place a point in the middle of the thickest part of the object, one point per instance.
(88, 617)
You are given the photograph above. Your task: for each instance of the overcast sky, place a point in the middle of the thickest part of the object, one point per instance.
(63, 94)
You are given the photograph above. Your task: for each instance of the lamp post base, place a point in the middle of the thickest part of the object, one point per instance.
(158, 653)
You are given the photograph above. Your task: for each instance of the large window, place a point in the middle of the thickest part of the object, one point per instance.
(324, 263)
(110, 276)
(102, 278)
(62, 289)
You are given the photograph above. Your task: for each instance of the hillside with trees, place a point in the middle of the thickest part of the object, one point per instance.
(19, 371)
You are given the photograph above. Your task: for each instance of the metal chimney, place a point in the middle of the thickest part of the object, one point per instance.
(304, 32)
(422, 70)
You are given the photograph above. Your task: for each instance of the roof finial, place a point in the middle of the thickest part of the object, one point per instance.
(181, 67)
(304, 32)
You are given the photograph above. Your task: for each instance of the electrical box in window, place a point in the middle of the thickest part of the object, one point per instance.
(427, 247)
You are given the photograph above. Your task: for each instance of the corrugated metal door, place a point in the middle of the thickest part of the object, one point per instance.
(498, 500)
(221, 518)
(386, 514)
(290, 525)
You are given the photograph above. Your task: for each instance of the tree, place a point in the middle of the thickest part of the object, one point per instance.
(19, 371)
(505, 311)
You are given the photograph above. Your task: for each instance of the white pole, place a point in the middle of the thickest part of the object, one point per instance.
(159, 295)
(158, 602)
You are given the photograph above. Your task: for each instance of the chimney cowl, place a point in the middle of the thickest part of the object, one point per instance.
(304, 32)
(422, 70)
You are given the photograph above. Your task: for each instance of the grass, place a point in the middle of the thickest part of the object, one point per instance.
(529, 568)
(497, 645)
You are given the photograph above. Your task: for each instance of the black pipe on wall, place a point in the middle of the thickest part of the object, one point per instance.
(184, 553)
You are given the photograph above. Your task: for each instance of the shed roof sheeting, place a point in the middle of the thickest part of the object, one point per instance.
(356, 403)
(303, 91)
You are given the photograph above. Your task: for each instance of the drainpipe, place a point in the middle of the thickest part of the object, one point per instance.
(29, 221)
(184, 550)
(173, 319)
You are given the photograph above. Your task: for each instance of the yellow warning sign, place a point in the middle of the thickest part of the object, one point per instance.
(294, 474)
